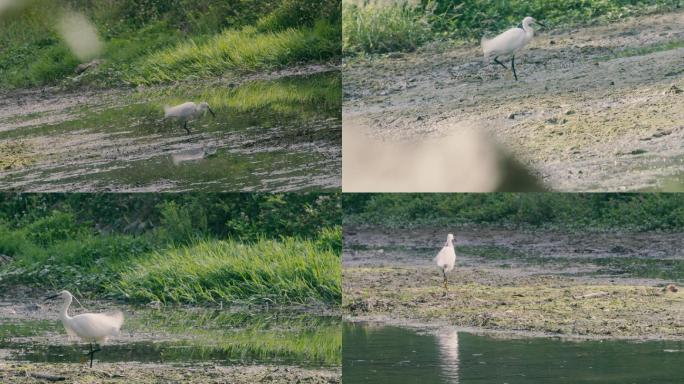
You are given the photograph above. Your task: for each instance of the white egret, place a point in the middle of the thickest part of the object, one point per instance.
(446, 258)
(90, 327)
(509, 42)
(186, 111)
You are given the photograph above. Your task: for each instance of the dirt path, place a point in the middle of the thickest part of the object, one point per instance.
(389, 277)
(595, 108)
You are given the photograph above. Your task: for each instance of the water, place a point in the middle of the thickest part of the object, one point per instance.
(268, 135)
(383, 354)
(182, 336)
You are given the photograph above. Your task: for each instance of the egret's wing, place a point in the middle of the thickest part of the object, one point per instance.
(504, 43)
(446, 257)
(180, 110)
(441, 256)
(95, 325)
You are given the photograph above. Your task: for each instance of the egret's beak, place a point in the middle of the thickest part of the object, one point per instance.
(540, 23)
(51, 297)
(212, 112)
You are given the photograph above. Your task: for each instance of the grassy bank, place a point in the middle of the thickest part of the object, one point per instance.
(147, 41)
(640, 212)
(280, 249)
(395, 25)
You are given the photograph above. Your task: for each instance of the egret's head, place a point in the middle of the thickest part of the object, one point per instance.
(204, 106)
(64, 295)
(531, 20)
(450, 238)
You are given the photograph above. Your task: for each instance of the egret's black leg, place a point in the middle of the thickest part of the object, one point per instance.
(92, 353)
(513, 66)
(496, 60)
(185, 126)
(446, 289)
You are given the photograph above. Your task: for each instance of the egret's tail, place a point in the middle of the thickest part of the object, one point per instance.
(486, 46)
(117, 318)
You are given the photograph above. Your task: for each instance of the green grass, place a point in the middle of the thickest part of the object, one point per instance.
(274, 272)
(278, 272)
(395, 25)
(281, 336)
(238, 51)
(381, 28)
(284, 249)
(166, 41)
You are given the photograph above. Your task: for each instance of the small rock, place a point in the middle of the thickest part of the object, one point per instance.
(86, 66)
(671, 288)
(511, 116)
(673, 90)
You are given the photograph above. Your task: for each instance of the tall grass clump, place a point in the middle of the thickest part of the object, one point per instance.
(240, 51)
(289, 271)
(383, 26)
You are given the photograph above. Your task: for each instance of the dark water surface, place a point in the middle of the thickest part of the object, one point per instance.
(383, 354)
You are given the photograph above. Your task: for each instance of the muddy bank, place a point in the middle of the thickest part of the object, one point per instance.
(155, 373)
(596, 108)
(565, 290)
(117, 140)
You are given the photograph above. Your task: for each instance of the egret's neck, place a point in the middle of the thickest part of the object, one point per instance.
(528, 30)
(63, 315)
(449, 243)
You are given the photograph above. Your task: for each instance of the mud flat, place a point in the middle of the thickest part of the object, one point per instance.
(596, 107)
(155, 373)
(503, 284)
(278, 132)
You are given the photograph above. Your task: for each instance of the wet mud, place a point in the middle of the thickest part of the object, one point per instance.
(529, 283)
(117, 140)
(595, 107)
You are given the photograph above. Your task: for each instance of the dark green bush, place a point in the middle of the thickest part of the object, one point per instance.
(56, 227)
(604, 211)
